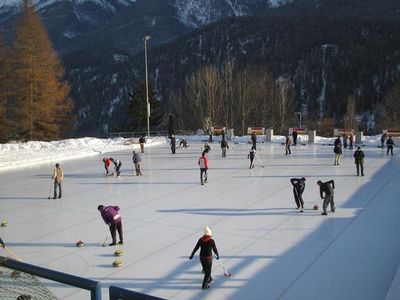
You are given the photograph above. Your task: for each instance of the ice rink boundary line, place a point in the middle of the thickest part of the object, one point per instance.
(338, 235)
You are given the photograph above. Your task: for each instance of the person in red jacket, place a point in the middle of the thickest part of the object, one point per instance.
(207, 246)
(107, 164)
(112, 218)
(203, 163)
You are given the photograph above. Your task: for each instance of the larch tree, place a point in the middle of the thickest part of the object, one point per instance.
(40, 95)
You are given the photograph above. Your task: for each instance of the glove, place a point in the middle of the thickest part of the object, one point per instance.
(191, 257)
(217, 257)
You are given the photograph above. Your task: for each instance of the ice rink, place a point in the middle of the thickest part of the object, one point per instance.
(272, 250)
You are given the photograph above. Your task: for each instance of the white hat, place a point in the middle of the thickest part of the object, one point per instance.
(207, 231)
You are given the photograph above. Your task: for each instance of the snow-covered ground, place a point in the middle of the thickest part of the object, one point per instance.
(273, 251)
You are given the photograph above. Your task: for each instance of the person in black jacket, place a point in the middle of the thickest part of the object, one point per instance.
(359, 161)
(224, 146)
(207, 246)
(298, 188)
(390, 145)
(142, 141)
(254, 140)
(337, 149)
(327, 188)
(294, 135)
(173, 144)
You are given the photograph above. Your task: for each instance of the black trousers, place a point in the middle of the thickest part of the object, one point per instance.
(206, 263)
(298, 197)
(358, 165)
(113, 230)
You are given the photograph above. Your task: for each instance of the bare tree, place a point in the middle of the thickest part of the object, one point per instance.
(392, 107)
(350, 117)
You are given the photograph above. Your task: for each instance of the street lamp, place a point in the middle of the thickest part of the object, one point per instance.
(145, 40)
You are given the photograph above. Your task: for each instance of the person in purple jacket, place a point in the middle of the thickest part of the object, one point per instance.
(112, 218)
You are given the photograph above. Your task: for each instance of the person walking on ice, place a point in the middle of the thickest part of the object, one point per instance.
(327, 188)
(299, 185)
(137, 161)
(390, 145)
(287, 145)
(337, 149)
(142, 141)
(359, 161)
(251, 156)
(224, 146)
(58, 176)
(203, 163)
(112, 218)
(207, 247)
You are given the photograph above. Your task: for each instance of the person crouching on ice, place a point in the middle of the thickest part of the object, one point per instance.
(107, 164)
(207, 246)
(112, 218)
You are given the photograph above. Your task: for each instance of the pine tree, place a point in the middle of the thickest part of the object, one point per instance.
(137, 109)
(42, 108)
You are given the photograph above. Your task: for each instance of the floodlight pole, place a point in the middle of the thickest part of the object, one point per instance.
(146, 39)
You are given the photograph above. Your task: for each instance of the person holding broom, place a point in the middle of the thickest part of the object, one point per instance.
(207, 246)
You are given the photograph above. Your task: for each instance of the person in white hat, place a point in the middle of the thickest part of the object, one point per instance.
(207, 246)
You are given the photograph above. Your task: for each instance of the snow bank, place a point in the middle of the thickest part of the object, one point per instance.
(14, 155)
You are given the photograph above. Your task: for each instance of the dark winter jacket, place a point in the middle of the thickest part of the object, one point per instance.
(390, 143)
(298, 184)
(142, 140)
(337, 146)
(224, 144)
(359, 157)
(251, 154)
(327, 188)
(206, 245)
(110, 214)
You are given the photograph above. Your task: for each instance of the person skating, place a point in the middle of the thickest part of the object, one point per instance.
(142, 141)
(389, 144)
(137, 161)
(337, 149)
(58, 176)
(173, 144)
(251, 156)
(224, 146)
(327, 188)
(207, 247)
(210, 134)
(299, 185)
(254, 140)
(112, 218)
(287, 145)
(203, 164)
(294, 135)
(117, 165)
(359, 161)
(107, 164)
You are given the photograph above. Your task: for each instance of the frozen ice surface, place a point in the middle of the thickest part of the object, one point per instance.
(273, 251)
